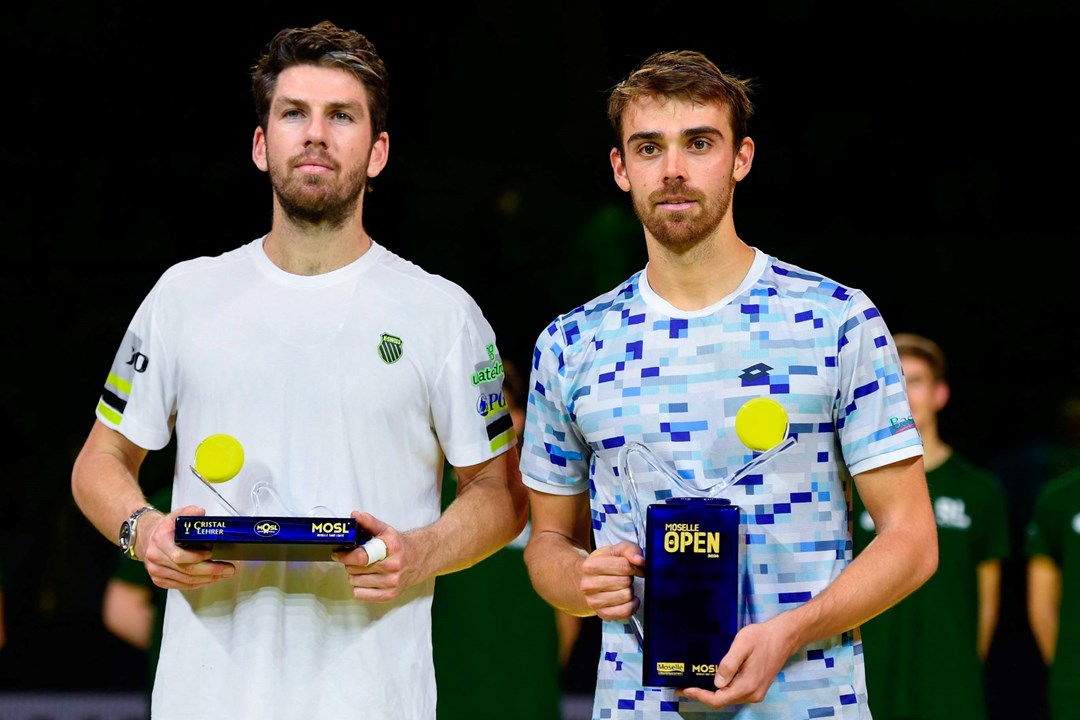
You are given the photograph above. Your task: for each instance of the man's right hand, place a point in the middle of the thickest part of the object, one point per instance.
(607, 580)
(172, 566)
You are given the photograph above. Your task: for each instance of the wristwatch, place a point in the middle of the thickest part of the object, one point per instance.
(127, 531)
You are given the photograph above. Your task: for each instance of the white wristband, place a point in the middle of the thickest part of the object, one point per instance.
(376, 550)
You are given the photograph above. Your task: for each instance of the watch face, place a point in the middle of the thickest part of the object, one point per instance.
(125, 535)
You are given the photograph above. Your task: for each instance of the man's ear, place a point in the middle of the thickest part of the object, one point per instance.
(380, 154)
(258, 150)
(744, 158)
(619, 168)
(941, 395)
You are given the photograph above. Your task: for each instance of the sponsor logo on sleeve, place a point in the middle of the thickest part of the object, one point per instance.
(490, 403)
(130, 360)
(898, 424)
(491, 371)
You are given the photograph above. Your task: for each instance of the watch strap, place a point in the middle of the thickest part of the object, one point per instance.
(129, 529)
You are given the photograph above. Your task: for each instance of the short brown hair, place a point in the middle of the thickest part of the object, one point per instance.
(325, 45)
(683, 74)
(912, 345)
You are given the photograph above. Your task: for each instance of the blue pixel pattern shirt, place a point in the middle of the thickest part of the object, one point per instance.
(629, 368)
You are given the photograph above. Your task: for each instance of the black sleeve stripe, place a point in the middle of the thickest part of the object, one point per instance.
(499, 426)
(113, 400)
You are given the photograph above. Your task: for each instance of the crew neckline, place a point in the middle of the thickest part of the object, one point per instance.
(653, 300)
(273, 272)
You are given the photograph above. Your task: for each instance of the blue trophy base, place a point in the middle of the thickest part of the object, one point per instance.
(692, 581)
(231, 537)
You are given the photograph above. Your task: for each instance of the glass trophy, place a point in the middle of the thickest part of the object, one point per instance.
(694, 548)
(264, 527)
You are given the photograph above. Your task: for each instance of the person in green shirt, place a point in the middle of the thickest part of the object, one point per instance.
(924, 656)
(1053, 549)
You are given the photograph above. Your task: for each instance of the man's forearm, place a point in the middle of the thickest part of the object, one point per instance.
(1044, 604)
(554, 564)
(104, 481)
(489, 512)
(988, 577)
(890, 568)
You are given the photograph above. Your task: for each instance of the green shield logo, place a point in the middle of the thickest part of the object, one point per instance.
(390, 348)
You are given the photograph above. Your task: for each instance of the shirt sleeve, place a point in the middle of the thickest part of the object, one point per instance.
(139, 397)
(873, 417)
(554, 459)
(469, 408)
(998, 544)
(1043, 537)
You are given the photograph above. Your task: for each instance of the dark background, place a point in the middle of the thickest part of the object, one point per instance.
(924, 152)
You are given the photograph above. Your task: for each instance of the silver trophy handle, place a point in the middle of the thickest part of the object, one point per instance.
(745, 469)
(635, 506)
(212, 489)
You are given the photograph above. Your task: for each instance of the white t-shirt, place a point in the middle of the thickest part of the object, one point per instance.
(345, 390)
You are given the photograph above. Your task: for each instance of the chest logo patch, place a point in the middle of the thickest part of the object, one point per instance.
(950, 513)
(390, 348)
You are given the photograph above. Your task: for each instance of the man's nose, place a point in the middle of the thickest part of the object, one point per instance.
(675, 166)
(316, 131)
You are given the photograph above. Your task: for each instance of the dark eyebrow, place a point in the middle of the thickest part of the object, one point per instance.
(644, 135)
(334, 105)
(652, 135)
(703, 130)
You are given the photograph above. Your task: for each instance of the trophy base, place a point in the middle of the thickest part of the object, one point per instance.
(304, 539)
(692, 598)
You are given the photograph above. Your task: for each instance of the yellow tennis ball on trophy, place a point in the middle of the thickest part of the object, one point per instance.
(761, 423)
(219, 458)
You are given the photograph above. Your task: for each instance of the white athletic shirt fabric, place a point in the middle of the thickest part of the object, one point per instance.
(345, 390)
